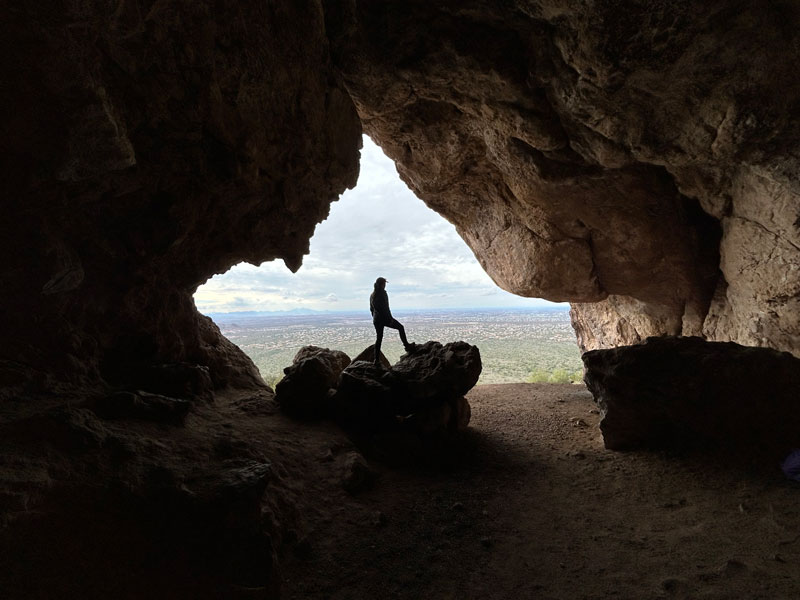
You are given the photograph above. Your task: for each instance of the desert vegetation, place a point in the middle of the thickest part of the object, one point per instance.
(516, 345)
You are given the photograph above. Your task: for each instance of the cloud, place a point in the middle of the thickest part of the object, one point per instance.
(377, 229)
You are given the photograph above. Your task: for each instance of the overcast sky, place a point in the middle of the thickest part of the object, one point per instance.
(379, 228)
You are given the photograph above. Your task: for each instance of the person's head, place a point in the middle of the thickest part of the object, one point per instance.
(380, 283)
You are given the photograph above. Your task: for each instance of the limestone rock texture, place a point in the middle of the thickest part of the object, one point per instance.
(638, 159)
(672, 392)
(147, 146)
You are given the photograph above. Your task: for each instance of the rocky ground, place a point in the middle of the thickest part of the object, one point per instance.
(526, 503)
(530, 505)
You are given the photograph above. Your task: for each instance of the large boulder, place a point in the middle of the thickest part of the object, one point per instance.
(424, 390)
(677, 392)
(310, 381)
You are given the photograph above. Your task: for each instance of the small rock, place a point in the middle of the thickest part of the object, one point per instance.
(486, 542)
(578, 422)
(356, 473)
(379, 519)
(734, 567)
(368, 355)
(239, 481)
(459, 506)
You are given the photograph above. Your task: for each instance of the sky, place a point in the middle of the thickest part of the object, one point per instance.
(379, 228)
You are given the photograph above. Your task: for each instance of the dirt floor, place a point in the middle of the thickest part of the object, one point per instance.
(533, 506)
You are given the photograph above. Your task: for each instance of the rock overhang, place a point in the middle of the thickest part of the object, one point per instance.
(639, 167)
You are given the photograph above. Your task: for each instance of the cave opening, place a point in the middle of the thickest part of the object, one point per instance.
(149, 145)
(437, 289)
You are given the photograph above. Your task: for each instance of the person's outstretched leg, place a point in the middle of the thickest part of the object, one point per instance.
(378, 340)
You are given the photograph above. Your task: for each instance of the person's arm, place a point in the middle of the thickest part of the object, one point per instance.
(386, 312)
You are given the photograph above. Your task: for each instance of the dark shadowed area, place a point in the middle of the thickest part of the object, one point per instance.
(637, 158)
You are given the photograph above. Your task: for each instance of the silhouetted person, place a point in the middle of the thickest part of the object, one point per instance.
(382, 317)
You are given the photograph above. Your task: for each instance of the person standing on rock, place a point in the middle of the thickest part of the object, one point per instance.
(382, 317)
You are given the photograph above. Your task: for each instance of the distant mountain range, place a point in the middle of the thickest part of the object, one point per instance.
(309, 311)
(270, 313)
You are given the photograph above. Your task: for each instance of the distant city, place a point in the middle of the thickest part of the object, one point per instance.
(516, 344)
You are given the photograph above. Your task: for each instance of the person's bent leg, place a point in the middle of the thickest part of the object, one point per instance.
(395, 324)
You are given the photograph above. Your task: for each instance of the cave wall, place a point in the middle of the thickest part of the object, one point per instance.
(146, 147)
(637, 159)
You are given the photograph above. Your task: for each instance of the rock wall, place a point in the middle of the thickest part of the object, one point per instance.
(147, 146)
(636, 158)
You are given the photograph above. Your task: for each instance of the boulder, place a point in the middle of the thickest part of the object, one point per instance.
(309, 382)
(366, 397)
(676, 392)
(424, 391)
(337, 359)
(368, 355)
(432, 369)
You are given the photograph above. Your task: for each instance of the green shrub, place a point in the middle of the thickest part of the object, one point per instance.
(559, 375)
(539, 376)
(272, 380)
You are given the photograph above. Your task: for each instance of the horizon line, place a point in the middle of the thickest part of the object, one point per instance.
(289, 311)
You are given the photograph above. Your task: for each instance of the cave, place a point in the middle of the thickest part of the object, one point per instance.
(635, 158)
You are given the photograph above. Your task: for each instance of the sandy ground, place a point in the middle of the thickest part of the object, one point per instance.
(534, 507)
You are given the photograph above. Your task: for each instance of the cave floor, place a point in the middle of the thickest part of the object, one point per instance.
(535, 507)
